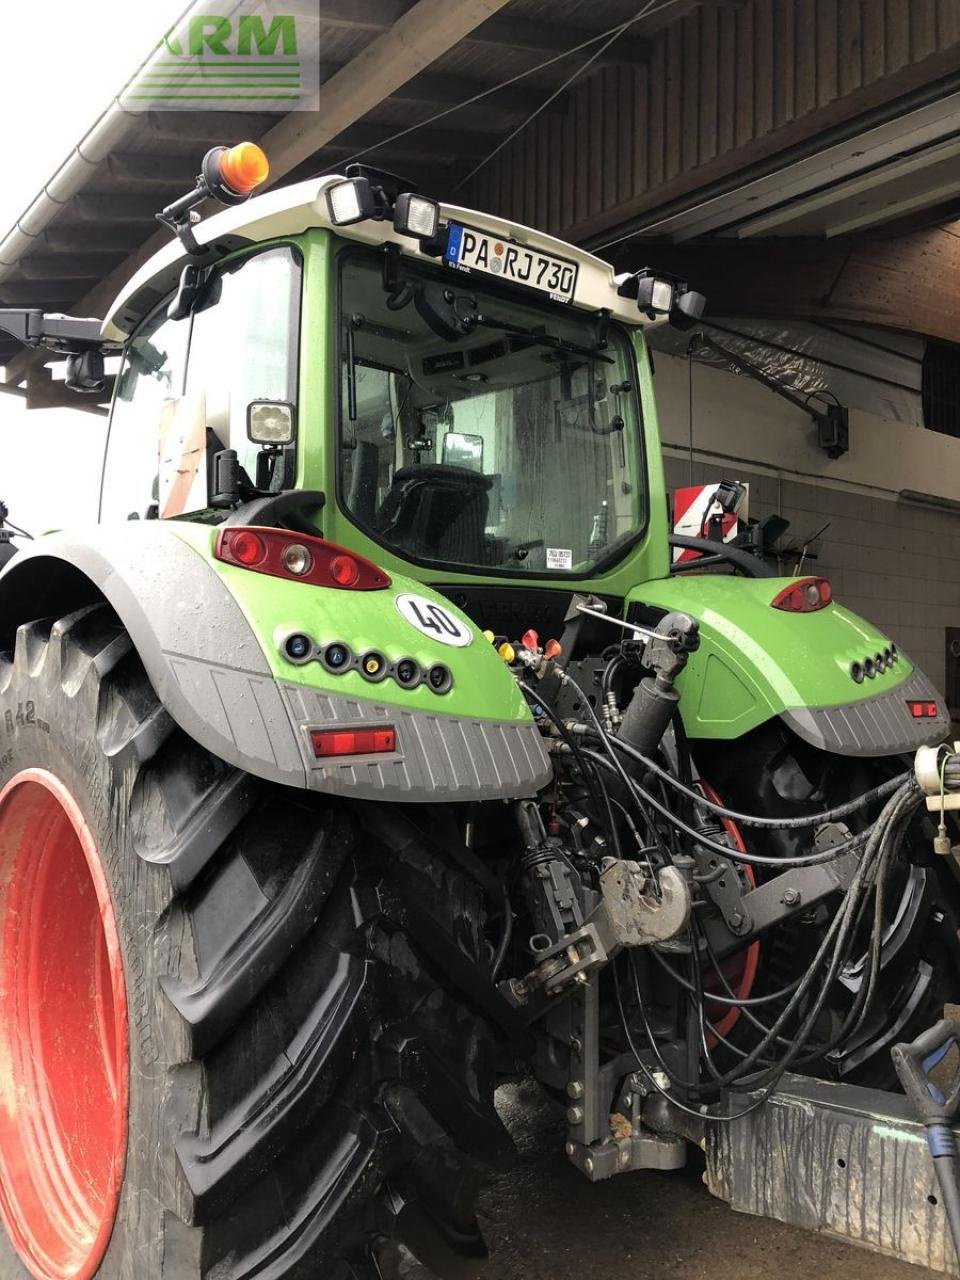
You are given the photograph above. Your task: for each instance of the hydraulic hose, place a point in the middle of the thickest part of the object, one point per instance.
(736, 855)
(754, 820)
(751, 859)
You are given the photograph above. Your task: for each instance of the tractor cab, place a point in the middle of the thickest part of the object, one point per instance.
(438, 374)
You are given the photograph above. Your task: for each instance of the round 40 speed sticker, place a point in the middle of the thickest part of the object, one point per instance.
(431, 619)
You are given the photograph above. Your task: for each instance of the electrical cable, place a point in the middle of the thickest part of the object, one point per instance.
(574, 75)
(503, 84)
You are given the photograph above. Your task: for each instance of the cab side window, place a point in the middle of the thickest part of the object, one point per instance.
(185, 385)
(150, 381)
(244, 347)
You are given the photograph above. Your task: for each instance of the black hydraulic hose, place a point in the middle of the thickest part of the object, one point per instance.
(505, 937)
(733, 1076)
(871, 874)
(699, 1012)
(609, 671)
(860, 1009)
(747, 1012)
(753, 820)
(612, 834)
(863, 1001)
(739, 1001)
(872, 866)
(833, 940)
(699, 1114)
(771, 1035)
(625, 778)
(879, 839)
(736, 855)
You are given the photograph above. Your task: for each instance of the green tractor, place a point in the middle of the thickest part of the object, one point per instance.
(367, 754)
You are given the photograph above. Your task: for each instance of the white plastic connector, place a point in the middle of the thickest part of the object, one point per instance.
(926, 766)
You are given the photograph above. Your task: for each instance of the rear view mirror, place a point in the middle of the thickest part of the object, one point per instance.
(271, 422)
(461, 450)
(85, 372)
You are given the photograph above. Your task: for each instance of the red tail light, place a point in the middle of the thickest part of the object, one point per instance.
(352, 742)
(805, 596)
(298, 558)
(923, 710)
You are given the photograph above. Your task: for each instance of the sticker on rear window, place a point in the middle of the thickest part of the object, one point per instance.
(559, 558)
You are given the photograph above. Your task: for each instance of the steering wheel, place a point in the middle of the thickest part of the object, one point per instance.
(717, 553)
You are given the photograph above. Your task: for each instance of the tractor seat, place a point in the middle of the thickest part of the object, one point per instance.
(437, 512)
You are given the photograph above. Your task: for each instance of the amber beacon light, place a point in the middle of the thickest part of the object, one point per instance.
(233, 173)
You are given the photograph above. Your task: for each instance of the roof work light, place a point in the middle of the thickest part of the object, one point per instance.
(416, 216)
(352, 201)
(660, 294)
(373, 193)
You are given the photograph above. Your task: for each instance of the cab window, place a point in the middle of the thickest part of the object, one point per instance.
(244, 348)
(150, 379)
(185, 387)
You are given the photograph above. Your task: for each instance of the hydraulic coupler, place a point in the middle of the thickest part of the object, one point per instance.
(655, 698)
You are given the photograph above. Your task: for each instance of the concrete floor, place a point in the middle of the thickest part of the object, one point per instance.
(544, 1221)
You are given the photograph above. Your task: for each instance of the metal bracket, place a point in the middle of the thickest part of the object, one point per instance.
(628, 1144)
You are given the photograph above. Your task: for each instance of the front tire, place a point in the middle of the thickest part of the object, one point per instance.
(309, 1017)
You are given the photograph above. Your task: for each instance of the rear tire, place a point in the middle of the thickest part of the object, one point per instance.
(773, 772)
(312, 1026)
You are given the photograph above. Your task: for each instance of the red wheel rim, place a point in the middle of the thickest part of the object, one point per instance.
(63, 1034)
(740, 969)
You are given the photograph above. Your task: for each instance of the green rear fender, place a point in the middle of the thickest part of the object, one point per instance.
(211, 637)
(756, 662)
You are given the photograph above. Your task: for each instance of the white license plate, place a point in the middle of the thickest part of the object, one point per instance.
(472, 250)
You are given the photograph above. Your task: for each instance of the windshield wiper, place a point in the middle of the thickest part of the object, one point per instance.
(453, 316)
(537, 336)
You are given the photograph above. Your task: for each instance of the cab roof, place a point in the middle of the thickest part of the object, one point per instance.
(292, 210)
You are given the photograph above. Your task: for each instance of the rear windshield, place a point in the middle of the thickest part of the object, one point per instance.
(514, 448)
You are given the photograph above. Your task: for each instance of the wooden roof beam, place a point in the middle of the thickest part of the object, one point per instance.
(424, 33)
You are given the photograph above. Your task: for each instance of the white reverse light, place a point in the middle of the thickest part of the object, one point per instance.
(655, 295)
(350, 201)
(417, 216)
